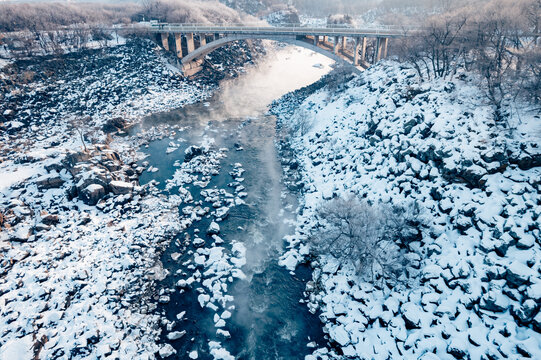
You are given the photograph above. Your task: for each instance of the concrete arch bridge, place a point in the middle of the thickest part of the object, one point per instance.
(192, 42)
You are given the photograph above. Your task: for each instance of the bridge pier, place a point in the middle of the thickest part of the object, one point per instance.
(178, 45)
(381, 48)
(375, 55)
(190, 44)
(344, 43)
(202, 40)
(363, 50)
(165, 41)
(356, 51)
(335, 45)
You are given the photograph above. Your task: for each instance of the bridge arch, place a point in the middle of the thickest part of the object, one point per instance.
(292, 40)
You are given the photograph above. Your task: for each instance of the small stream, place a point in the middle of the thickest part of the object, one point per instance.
(262, 310)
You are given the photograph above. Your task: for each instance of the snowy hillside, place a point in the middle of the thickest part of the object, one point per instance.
(474, 284)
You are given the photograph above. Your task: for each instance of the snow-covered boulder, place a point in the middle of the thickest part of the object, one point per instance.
(120, 187)
(166, 351)
(175, 335)
(213, 229)
(92, 194)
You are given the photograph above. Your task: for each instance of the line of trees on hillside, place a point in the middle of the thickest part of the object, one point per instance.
(27, 29)
(47, 16)
(52, 16)
(498, 39)
(189, 11)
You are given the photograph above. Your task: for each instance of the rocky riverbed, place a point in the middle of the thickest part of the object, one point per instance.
(471, 286)
(80, 249)
(93, 232)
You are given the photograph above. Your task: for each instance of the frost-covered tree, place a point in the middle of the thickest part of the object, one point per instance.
(371, 238)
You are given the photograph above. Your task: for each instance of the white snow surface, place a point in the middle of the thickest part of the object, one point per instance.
(74, 289)
(386, 138)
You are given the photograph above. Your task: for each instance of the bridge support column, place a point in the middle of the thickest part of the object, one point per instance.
(316, 40)
(178, 45)
(165, 41)
(381, 48)
(356, 51)
(377, 51)
(363, 50)
(343, 43)
(385, 46)
(190, 43)
(202, 40)
(335, 47)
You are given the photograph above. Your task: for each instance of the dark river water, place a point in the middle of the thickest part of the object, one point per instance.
(266, 319)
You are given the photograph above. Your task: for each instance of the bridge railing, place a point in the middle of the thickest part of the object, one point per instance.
(288, 25)
(265, 28)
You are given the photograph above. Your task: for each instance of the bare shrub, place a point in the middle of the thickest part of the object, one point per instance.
(371, 238)
(300, 124)
(530, 74)
(434, 52)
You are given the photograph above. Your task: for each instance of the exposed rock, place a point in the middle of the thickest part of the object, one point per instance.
(536, 322)
(192, 152)
(74, 158)
(50, 182)
(19, 233)
(340, 335)
(166, 351)
(494, 301)
(525, 312)
(92, 194)
(457, 348)
(473, 175)
(410, 314)
(517, 274)
(198, 242)
(164, 299)
(214, 229)
(527, 161)
(120, 187)
(50, 219)
(114, 125)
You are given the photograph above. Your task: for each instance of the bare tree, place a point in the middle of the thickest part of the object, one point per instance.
(369, 237)
(493, 39)
(79, 125)
(300, 124)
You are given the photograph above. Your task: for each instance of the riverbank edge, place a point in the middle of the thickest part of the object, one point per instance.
(486, 272)
(51, 181)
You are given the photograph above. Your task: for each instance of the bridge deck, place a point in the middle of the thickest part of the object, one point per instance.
(270, 30)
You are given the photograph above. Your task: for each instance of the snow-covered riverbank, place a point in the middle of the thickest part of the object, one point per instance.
(80, 240)
(474, 278)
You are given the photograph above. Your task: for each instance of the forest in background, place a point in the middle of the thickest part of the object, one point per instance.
(52, 15)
